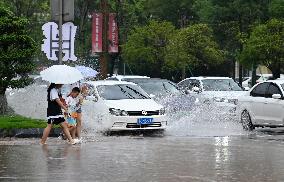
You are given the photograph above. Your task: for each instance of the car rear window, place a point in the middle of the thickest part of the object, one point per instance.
(221, 85)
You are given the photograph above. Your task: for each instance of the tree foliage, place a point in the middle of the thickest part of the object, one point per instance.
(179, 12)
(193, 46)
(16, 51)
(266, 46)
(145, 49)
(276, 8)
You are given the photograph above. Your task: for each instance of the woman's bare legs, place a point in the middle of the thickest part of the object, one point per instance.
(66, 131)
(79, 125)
(73, 132)
(46, 133)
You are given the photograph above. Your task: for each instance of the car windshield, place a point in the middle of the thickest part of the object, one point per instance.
(221, 85)
(159, 87)
(121, 91)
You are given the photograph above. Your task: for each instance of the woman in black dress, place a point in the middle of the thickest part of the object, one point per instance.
(54, 113)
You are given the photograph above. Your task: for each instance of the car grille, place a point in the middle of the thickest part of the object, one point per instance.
(135, 125)
(139, 113)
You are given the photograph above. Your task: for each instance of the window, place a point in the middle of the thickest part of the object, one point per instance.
(260, 90)
(189, 84)
(221, 85)
(159, 87)
(121, 91)
(273, 89)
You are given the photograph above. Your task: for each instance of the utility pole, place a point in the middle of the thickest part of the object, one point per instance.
(104, 55)
(60, 6)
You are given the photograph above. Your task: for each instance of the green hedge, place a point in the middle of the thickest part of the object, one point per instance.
(8, 122)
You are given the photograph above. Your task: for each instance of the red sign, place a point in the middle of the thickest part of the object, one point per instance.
(97, 33)
(112, 34)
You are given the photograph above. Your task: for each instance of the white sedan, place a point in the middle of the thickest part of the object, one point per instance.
(263, 105)
(124, 106)
(222, 92)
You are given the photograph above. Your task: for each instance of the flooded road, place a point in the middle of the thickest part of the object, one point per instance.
(257, 156)
(198, 145)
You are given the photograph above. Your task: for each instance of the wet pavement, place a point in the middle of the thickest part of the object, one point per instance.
(199, 145)
(257, 156)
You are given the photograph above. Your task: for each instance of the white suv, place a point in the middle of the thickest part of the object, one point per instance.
(263, 105)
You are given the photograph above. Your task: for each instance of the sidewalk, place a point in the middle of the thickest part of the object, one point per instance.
(27, 133)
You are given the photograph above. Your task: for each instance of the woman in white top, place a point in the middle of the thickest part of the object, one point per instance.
(54, 113)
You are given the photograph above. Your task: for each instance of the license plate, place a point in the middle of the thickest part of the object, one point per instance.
(142, 121)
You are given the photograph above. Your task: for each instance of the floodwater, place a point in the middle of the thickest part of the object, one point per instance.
(253, 157)
(197, 146)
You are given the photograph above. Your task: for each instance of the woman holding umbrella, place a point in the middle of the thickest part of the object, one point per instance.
(58, 75)
(54, 113)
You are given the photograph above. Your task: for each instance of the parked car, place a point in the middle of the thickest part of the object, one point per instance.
(124, 106)
(166, 93)
(222, 91)
(125, 77)
(156, 87)
(263, 105)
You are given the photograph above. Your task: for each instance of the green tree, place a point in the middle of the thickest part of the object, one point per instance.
(179, 12)
(37, 12)
(232, 21)
(266, 46)
(16, 51)
(146, 48)
(276, 8)
(191, 47)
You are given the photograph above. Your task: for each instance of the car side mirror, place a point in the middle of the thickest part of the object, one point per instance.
(196, 89)
(276, 96)
(92, 98)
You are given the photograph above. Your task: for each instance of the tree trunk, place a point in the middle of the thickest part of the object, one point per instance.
(275, 68)
(240, 74)
(183, 73)
(3, 104)
(277, 72)
(253, 80)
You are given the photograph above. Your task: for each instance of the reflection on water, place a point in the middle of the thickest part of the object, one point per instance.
(221, 152)
(164, 159)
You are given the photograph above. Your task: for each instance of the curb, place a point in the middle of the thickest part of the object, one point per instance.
(27, 133)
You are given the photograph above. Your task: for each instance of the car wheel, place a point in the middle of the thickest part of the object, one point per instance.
(246, 121)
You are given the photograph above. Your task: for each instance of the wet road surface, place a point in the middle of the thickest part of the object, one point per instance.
(258, 156)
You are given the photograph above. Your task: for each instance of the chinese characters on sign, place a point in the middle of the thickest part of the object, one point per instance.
(97, 33)
(50, 43)
(112, 34)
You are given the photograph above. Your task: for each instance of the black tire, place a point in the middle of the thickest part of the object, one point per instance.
(246, 121)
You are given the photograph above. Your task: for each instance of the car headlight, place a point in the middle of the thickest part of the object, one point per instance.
(115, 112)
(162, 111)
(118, 112)
(124, 113)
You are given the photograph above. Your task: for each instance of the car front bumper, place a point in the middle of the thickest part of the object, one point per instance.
(129, 123)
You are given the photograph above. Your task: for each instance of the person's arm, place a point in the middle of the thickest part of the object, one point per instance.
(61, 104)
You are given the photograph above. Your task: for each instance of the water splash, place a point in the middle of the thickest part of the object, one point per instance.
(186, 115)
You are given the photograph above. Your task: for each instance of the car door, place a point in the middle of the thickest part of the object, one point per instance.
(273, 108)
(257, 101)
